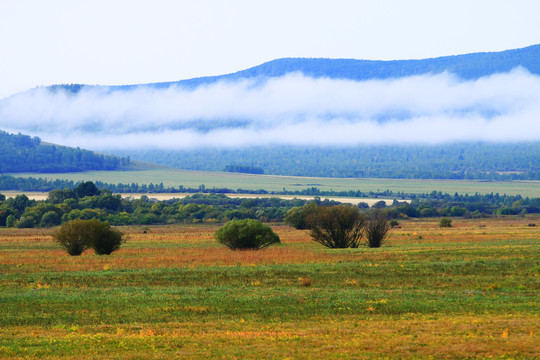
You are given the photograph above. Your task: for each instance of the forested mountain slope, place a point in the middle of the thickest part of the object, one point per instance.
(22, 153)
(445, 161)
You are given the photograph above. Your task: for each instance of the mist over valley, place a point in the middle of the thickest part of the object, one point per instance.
(320, 109)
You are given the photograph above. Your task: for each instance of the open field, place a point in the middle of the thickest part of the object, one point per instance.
(470, 291)
(192, 179)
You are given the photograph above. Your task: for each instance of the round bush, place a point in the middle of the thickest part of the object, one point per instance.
(72, 236)
(104, 239)
(78, 235)
(246, 234)
(445, 222)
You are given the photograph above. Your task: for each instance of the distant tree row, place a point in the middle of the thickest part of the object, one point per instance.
(22, 153)
(246, 169)
(86, 202)
(431, 204)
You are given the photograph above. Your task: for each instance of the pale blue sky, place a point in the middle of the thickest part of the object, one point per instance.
(131, 41)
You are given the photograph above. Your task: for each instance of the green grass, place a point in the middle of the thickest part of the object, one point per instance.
(188, 178)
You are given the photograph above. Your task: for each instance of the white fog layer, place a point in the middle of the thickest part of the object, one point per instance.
(290, 110)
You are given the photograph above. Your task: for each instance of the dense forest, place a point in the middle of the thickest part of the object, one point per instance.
(484, 161)
(22, 153)
(489, 161)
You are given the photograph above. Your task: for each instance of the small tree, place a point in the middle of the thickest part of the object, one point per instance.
(376, 231)
(87, 188)
(246, 234)
(78, 235)
(337, 226)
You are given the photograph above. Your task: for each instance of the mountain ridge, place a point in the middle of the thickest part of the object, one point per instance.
(467, 66)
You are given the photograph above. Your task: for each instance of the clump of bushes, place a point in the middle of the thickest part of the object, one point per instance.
(246, 234)
(343, 226)
(78, 235)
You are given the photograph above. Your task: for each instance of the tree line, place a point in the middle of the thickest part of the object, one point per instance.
(85, 201)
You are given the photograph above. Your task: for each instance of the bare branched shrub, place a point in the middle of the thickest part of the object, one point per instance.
(376, 231)
(337, 226)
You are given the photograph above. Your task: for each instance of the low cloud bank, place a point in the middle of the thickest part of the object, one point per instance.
(291, 110)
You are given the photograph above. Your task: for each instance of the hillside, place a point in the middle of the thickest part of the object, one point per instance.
(22, 153)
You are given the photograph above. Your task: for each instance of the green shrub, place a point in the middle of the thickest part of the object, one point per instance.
(445, 222)
(10, 221)
(376, 231)
(72, 236)
(50, 218)
(26, 222)
(246, 234)
(78, 235)
(458, 211)
(298, 216)
(394, 223)
(337, 226)
(104, 239)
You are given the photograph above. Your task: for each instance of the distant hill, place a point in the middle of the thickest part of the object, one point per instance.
(467, 66)
(22, 153)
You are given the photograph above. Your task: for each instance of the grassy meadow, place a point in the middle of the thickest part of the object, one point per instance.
(192, 179)
(469, 291)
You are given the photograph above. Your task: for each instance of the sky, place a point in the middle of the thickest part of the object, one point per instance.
(131, 41)
(117, 42)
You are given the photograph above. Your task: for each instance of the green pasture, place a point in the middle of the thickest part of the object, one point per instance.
(193, 179)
